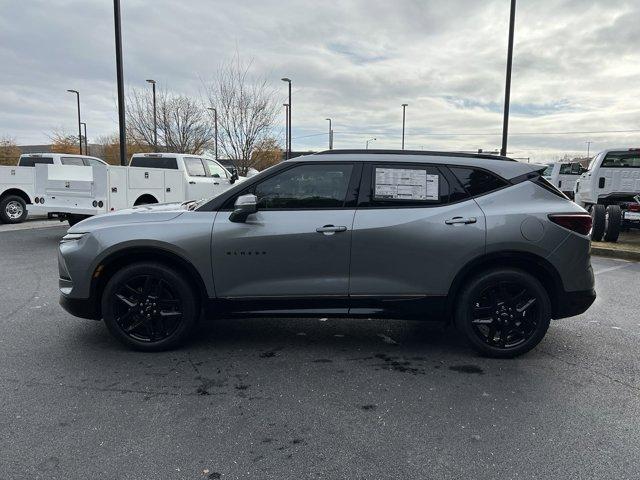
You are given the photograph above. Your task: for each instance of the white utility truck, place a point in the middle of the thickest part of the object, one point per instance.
(17, 184)
(75, 193)
(564, 176)
(610, 190)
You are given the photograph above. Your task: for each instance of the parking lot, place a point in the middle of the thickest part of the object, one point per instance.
(311, 398)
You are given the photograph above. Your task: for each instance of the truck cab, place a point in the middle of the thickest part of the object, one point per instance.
(564, 175)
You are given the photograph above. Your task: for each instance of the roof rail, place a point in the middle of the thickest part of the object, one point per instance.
(415, 152)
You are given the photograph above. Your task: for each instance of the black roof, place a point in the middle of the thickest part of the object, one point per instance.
(415, 152)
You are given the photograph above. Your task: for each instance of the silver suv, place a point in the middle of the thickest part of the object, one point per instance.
(478, 240)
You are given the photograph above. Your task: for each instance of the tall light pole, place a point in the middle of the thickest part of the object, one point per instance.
(79, 126)
(155, 117)
(215, 131)
(86, 145)
(404, 110)
(288, 80)
(366, 145)
(286, 129)
(330, 134)
(588, 147)
(507, 87)
(120, 78)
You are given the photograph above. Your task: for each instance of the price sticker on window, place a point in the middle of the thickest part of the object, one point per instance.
(406, 184)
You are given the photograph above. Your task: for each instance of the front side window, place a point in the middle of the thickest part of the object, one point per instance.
(194, 167)
(92, 162)
(32, 161)
(72, 161)
(621, 160)
(478, 182)
(306, 186)
(215, 170)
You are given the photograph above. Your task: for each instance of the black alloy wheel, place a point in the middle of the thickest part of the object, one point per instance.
(504, 312)
(149, 306)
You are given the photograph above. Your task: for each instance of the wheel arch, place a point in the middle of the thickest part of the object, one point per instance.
(18, 192)
(537, 266)
(109, 265)
(145, 199)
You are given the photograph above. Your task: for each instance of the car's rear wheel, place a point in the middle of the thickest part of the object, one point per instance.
(598, 217)
(149, 306)
(503, 312)
(613, 223)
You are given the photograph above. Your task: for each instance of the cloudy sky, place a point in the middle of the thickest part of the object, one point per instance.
(576, 67)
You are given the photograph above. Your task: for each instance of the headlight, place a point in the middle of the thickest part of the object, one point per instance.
(72, 237)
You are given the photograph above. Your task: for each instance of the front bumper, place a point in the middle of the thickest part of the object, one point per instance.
(80, 307)
(574, 303)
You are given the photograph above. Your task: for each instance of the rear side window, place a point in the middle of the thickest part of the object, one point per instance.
(31, 161)
(72, 161)
(478, 182)
(622, 160)
(195, 168)
(154, 162)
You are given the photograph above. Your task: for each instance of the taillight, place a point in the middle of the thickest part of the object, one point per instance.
(576, 222)
(633, 207)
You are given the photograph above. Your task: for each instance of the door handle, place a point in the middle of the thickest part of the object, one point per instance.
(330, 229)
(191, 182)
(461, 220)
(216, 183)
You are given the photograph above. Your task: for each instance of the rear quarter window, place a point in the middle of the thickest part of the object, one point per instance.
(32, 161)
(478, 182)
(154, 162)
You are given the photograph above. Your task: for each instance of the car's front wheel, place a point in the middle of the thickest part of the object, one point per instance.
(149, 306)
(503, 312)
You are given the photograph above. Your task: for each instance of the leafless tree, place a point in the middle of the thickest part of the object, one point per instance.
(183, 124)
(247, 109)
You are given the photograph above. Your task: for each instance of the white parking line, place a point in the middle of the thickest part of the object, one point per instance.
(611, 269)
(30, 225)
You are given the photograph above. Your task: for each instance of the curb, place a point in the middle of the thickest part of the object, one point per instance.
(632, 255)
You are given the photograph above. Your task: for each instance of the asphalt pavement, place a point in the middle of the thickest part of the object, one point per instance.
(339, 399)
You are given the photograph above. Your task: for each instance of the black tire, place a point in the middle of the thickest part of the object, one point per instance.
(613, 223)
(598, 217)
(72, 219)
(503, 312)
(13, 209)
(154, 302)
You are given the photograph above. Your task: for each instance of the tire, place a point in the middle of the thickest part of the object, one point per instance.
(613, 223)
(164, 296)
(13, 209)
(73, 219)
(598, 216)
(503, 312)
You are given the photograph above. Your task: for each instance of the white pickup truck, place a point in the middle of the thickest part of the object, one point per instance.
(17, 184)
(610, 190)
(75, 193)
(564, 175)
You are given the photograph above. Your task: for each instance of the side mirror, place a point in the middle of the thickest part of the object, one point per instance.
(234, 176)
(245, 205)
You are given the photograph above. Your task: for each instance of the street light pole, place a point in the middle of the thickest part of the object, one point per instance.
(367, 143)
(330, 134)
(288, 80)
(155, 117)
(404, 109)
(286, 129)
(215, 131)
(507, 88)
(79, 122)
(120, 79)
(86, 145)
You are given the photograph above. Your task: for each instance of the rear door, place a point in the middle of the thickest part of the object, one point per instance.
(619, 173)
(297, 245)
(414, 229)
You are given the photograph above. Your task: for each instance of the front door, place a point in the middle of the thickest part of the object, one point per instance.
(219, 176)
(199, 184)
(298, 243)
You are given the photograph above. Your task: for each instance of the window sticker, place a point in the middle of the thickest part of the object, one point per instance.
(406, 184)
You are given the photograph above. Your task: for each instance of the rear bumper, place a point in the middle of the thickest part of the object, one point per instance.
(574, 303)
